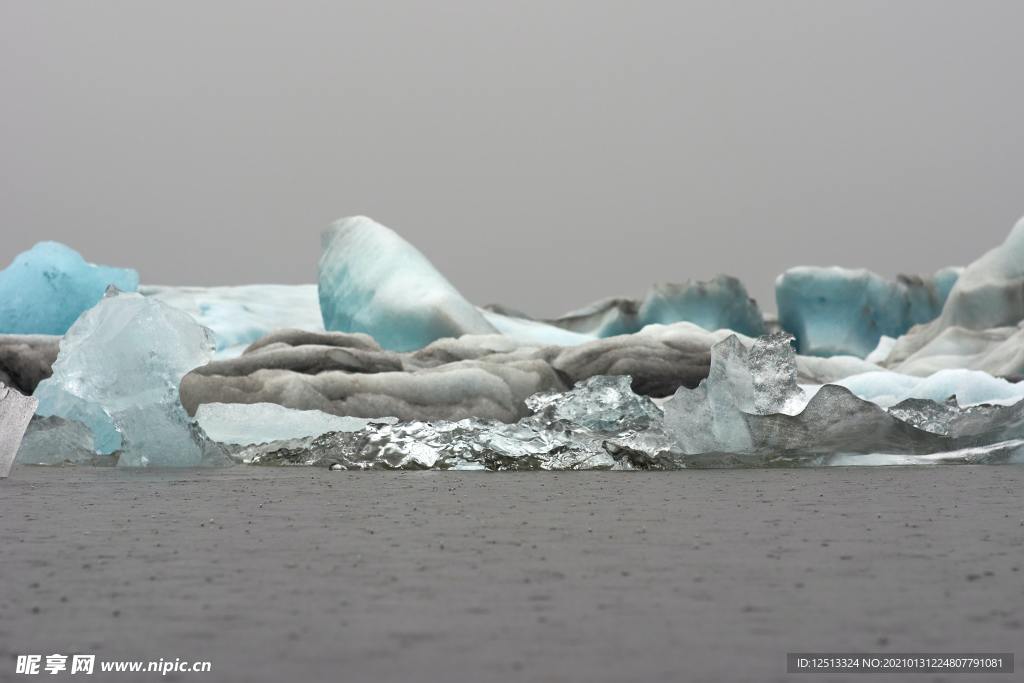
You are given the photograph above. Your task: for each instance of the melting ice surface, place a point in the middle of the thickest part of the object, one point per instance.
(748, 412)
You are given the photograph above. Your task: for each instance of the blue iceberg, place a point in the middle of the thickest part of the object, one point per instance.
(373, 281)
(839, 311)
(721, 303)
(46, 288)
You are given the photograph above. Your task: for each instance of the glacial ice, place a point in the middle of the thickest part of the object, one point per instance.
(481, 376)
(756, 381)
(46, 288)
(750, 402)
(982, 323)
(735, 412)
(118, 372)
(53, 440)
(373, 281)
(16, 411)
(839, 311)
(534, 332)
(246, 424)
(970, 387)
(239, 316)
(990, 292)
(571, 430)
(719, 303)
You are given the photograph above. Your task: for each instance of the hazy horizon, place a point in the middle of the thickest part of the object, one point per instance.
(542, 154)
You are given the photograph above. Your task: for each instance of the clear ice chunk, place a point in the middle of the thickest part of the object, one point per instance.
(595, 425)
(53, 440)
(256, 423)
(750, 404)
(118, 372)
(16, 411)
(46, 288)
(373, 281)
(740, 382)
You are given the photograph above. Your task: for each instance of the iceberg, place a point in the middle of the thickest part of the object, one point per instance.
(239, 316)
(46, 288)
(716, 304)
(527, 331)
(256, 423)
(980, 327)
(594, 425)
(118, 373)
(16, 411)
(373, 281)
(756, 381)
(839, 311)
(750, 404)
(53, 440)
(481, 376)
(970, 387)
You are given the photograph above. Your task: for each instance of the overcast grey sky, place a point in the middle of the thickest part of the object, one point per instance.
(543, 153)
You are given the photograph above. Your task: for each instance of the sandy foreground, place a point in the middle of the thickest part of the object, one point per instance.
(304, 574)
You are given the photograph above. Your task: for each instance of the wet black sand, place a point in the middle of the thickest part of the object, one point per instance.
(299, 574)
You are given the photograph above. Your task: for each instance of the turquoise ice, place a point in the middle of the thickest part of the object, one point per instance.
(373, 281)
(839, 311)
(721, 303)
(46, 288)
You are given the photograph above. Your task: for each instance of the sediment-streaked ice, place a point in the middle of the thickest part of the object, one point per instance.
(16, 411)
